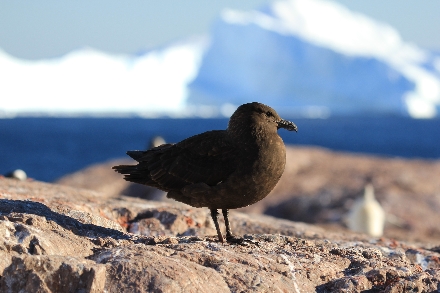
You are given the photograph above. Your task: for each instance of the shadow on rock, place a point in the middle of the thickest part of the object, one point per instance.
(9, 207)
(321, 208)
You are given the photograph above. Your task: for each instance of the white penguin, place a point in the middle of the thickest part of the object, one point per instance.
(366, 215)
(156, 141)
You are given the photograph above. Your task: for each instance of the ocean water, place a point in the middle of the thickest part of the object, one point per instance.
(48, 148)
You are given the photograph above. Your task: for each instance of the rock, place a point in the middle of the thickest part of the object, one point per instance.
(56, 238)
(320, 186)
(157, 269)
(36, 273)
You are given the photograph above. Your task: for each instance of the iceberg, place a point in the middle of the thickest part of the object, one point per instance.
(316, 58)
(88, 81)
(310, 58)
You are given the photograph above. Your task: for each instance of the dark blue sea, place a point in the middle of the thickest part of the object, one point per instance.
(48, 148)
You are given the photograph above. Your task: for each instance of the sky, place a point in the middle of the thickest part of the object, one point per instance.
(40, 29)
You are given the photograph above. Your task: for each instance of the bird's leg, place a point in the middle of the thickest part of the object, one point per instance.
(214, 214)
(228, 228)
(229, 236)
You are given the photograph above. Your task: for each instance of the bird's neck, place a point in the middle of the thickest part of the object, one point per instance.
(254, 137)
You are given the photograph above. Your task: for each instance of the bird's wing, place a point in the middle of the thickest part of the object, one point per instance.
(209, 157)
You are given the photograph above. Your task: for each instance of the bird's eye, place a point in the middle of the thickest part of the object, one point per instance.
(269, 114)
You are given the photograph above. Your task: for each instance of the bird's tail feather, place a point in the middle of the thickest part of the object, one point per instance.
(131, 173)
(136, 155)
(149, 165)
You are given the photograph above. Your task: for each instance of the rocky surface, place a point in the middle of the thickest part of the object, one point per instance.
(57, 238)
(320, 186)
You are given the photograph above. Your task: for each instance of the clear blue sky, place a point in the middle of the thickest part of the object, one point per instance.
(35, 29)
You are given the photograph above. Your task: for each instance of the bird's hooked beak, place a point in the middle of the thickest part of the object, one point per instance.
(287, 125)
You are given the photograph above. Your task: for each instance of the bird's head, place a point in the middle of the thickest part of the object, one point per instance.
(259, 115)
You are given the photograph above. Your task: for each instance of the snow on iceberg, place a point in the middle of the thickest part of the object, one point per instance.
(89, 81)
(315, 56)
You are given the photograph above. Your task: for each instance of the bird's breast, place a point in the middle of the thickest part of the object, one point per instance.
(268, 166)
(270, 162)
(258, 170)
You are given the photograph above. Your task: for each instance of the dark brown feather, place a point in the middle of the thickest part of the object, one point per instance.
(193, 160)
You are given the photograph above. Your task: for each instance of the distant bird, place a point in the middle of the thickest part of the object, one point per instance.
(156, 141)
(218, 169)
(367, 216)
(17, 174)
